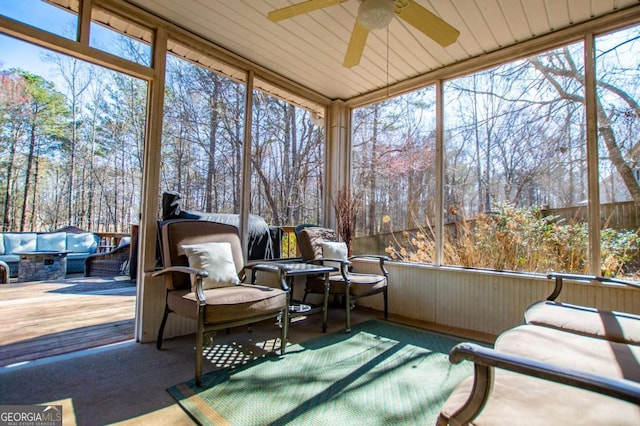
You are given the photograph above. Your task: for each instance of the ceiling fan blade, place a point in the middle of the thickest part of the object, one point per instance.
(356, 45)
(300, 8)
(429, 24)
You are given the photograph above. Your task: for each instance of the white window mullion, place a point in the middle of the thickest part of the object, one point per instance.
(592, 155)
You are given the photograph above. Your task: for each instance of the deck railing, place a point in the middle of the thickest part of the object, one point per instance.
(109, 240)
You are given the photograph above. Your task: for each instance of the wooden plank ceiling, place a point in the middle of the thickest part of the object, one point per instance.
(309, 49)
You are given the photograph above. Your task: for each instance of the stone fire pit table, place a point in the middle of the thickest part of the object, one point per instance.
(42, 266)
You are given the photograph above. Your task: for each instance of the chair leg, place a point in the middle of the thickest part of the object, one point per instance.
(325, 303)
(161, 330)
(284, 331)
(199, 346)
(325, 310)
(385, 294)
(347, 307)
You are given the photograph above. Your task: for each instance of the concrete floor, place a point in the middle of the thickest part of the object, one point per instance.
(126, 383)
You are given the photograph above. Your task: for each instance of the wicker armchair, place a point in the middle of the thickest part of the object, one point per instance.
(111, 264)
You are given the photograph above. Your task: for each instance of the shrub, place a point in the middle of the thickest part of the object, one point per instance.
(518, 239)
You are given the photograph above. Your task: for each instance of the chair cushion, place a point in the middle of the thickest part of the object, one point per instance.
(214, 258)
(615, 326)
(584, 353)
(55, 241)
(519, 399)
(361, 284)
(1, 244)
(334, 250)
(226, 304)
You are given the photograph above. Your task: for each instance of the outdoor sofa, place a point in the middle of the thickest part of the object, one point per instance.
(78, 247)
(566, 364)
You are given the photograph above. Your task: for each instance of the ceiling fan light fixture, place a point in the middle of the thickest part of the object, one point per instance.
(376, 14)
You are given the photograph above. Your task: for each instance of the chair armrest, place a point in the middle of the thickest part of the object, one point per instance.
(270, 267)
(182, 269)
(559, 276)
(486, 359)
(199, 274)
(345, 262)
(381, 260)
(344, 266)
(372, 256)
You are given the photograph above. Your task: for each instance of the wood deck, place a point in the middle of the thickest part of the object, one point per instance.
(41, 319)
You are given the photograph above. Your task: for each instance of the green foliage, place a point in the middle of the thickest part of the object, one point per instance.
(618, 249)
(520, 239)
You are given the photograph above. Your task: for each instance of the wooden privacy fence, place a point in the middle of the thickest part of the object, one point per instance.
(619, 216)
(622, 215)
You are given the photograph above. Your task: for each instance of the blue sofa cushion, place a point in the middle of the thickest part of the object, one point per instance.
(20, 242)
(55, 241)
(73, 256)
(82, 243)
(75, 262)
(10, 258)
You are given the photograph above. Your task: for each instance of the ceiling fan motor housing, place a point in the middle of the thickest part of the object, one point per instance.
(376, 14)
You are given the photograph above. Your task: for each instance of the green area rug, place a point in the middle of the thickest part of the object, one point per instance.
(380, 374)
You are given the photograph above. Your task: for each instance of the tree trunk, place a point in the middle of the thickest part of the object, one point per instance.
(616, 157)
(211, 191)
(6, 224)
(27, 179)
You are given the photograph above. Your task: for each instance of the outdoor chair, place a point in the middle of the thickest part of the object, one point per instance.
(110, 264)
(321, 245)
(203, 266)
(4, 273)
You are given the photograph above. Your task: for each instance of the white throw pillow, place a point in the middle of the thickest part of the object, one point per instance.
(217, 260)
(334, 250)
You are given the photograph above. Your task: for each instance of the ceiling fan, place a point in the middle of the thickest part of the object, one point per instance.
(375, 14)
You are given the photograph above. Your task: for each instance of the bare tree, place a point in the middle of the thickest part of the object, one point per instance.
(559, 66)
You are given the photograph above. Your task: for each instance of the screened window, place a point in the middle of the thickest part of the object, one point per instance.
(393, 176)
(618, 111)
(515, 165)
(287, 162)
(202, 138)
(515, 192)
